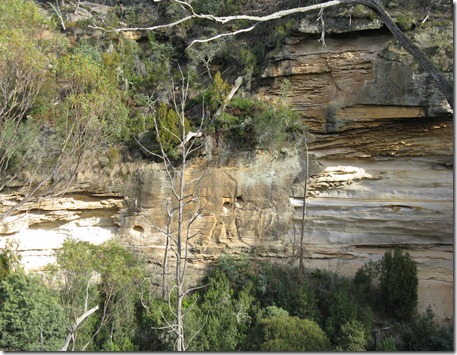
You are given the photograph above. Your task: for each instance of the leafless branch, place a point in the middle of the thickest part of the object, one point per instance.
(58, 13)
(321, 20)
(76, 325)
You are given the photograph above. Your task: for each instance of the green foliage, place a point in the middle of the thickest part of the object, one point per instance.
(137, 70)
(388, 344)
(397, 275)
(31, 318)
(338, 305)
(204, 54)
(254, 123)
(171, 128)
(290, 334)
(23, 74)
(398, 284)
(9, 259)
(218, 7)
(238, 270)
(138, 15)
(249, 61)
(405, 21)
(273, 311)
(92, 100)
(24, 146)
(342, 309)
(22, 14)
(276, 285)
(119, 273)
(425, 335)
(73, 273)
(150, 334)
(221, 331)
(353, 337)
(217, 93)
(281, 30)
(366, 274)
(275, 126)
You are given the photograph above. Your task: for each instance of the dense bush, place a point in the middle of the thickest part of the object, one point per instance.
(171, 127)
(353, 336)
(397, 275)
(289, 334)
(119, 273)
(398, 283)
(241, 306)
(227, 315)
(25, 82)
(277, 285)
(31, 318)
(261, 124)
(423, 334)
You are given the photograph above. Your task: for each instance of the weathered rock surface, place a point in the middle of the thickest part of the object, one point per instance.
(380, 168)
(351, 83)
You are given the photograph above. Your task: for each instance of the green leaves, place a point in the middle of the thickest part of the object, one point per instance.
(353, 336)
(398, 282)
(107, 275)
(31, 318)
(221, 330)
(290, 334)
(169, 126)
(260, 124)
(22, 14)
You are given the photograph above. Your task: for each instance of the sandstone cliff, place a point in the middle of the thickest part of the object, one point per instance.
(380, 153)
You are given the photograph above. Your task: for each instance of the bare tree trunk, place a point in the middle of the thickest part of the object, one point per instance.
(301, 266)
(165, 266)
(77, 6)
(72, 332)
(179, 257)
(178, 236)
(301, 256)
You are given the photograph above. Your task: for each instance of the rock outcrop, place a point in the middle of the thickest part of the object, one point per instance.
(379, 157)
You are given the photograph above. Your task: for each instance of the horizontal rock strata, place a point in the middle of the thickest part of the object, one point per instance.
(380, 175)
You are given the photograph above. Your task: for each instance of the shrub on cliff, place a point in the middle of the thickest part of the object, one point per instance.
(169, 129)
(260, 124)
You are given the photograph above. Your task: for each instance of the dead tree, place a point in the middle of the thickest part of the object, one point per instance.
(183, 210)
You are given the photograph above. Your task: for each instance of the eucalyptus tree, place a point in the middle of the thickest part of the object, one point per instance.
(98, 286)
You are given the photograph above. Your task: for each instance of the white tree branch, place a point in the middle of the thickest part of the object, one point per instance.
(76, 325)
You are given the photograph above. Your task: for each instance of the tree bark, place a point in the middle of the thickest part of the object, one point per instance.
(76, 325)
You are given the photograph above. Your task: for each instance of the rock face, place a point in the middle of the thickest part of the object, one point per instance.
(379, 157)
(43, 226)
(383, 132)
(352, 83)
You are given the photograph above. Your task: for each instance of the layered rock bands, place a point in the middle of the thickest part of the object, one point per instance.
(378, 160)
